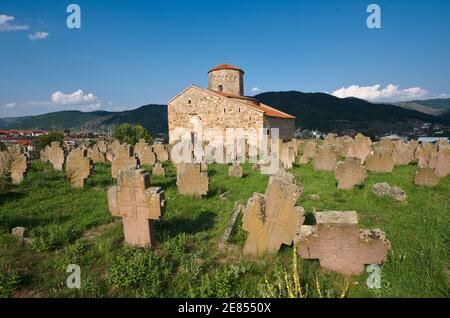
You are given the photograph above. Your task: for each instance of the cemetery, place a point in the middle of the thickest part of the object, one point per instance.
(139, 225)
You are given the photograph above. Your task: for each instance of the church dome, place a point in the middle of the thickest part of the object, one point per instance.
(225, 67)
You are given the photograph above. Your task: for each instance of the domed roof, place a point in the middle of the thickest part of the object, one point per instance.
(225, 67)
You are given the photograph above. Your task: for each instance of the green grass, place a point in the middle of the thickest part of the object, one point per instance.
(73, 226)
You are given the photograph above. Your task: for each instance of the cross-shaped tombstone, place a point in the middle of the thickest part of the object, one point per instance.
(273, 219)
(56, 155)
(123, 160)
(338, 243)
(138, 204)
(78, 167)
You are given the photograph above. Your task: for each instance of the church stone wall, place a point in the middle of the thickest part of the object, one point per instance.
(231, 81)
(286, 126)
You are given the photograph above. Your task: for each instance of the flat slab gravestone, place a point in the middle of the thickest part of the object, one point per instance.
(338, 243)
(273, 219)
(78, 167)
(138, 204)
(123, 160)
(191, 181)
(350, 173)
(426, 177)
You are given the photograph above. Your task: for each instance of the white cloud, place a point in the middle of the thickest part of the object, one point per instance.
(77, 97)
(38, 36)
(376, 93)
(256, 89)
(6, 26)
(11, 105)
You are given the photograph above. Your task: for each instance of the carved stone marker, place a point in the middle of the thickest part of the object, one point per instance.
(191, 181)
(326, 159)
(235, 170)
(158, 170)
(161, 152)
(147, 156)
(138, 204)
(273, 219)
(380, 161)
(360, 148)
(338, 243)
(123, 160)
(442, 163)
(426, 178)
(55, 155)
(309, 152)
(15, 162)
(97, 155)
(423, 154)
(350, 173)
(78, 167)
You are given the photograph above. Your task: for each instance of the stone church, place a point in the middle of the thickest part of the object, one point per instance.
(223, 105)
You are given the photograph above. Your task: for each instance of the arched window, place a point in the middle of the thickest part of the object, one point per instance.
(220, 88)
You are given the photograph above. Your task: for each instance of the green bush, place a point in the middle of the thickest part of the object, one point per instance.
(141, 270)
(46, 140)
(131, 134)
(9, 280)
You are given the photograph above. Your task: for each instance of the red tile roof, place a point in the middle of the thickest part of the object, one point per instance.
(225, 67)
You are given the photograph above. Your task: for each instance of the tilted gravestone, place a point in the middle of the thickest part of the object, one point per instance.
(123, 160)
(14, 161)
(78, 167)
(56, 155)
(326, 159)
(273, 219)
(360, 148)
(161, 152)
(138, 204)
(338, 243)
(350, 173)
(235, 170)
(191, 181)
(158, 170)
(426, 177)
(380, 161)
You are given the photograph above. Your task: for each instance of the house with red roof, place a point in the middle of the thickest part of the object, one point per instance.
(223, 105)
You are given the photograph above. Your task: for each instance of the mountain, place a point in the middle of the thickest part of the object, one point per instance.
(313, 111)
(429, 106)
(329, 113)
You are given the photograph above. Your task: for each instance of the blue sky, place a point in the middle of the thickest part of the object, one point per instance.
(131, 53)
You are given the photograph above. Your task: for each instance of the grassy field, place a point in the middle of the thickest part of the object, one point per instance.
(73, 226)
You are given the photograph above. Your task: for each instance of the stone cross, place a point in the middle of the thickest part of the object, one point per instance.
(78, 167)
(97, 155)
(123, 160)
(55, 155)
(161, 152)
(138, 204)
(350, 173)
(338, 243)
(190, 179)
(273, 219)
(15, 162)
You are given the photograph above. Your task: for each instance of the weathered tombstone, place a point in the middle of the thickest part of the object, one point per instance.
(309, 152)
(138, 204)
(139, 148)
(380, 161)
(360, 148)
(78, 167)
(158, 170)
(442, 163)
(330, 140)
(56, 155)
(97, 155)
(273, 219)
(287, 155)
(15, 162)
(123, 160)
(191, 181)
(326, 159)
(235, 170)
(350, 173)
(147, 156)
(426, 178)
(344, 143)
(114, 147)
(384, 189)
(338, 243)
(161, 152)
(103, 146)
(43, 155)
(423, 154)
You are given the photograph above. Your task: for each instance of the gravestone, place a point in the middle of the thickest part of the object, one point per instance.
(147, 156)
(161, 152)
(326, 159)
(123, 160)
(384, 189)
(338, 243)
(442, 163)
(350, 173)
(56, 155)
(191, 181)
(426, 177)
(287, 155)
(139, 148)
(78, 167)
(380, 161)
(309, 152)
(360, 148)
(97, 155)
(138, 204)
(273, 219)
(158, 170)
(14, 161)
(423, 154)
(235, 170)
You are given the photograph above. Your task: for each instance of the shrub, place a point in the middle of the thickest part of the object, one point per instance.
(9, 280)
(141, 270)
(46, 140)
(130, 134)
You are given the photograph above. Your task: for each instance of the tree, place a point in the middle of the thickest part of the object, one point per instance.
(46, 140)
(131, 134)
